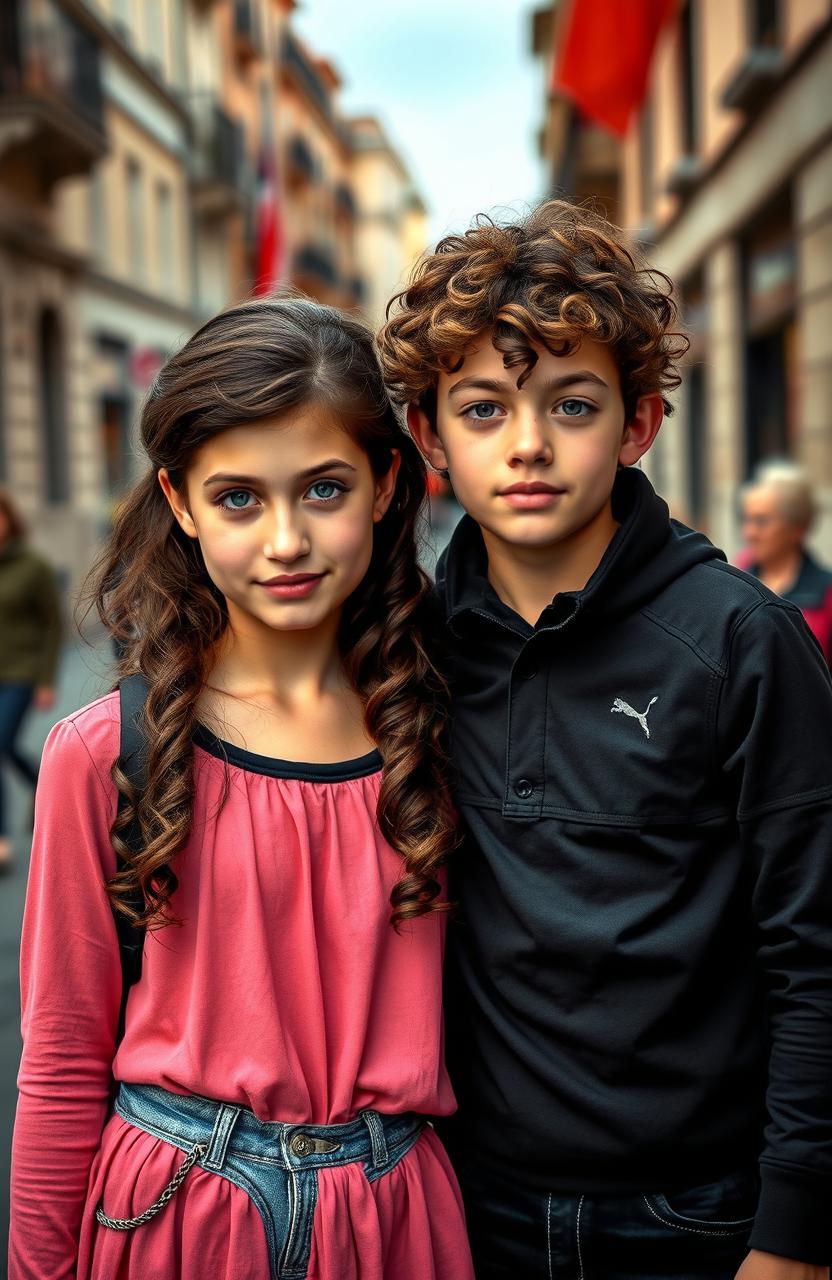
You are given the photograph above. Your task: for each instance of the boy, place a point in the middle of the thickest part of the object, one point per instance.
(640, 1005)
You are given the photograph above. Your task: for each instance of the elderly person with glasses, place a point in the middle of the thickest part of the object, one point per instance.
(778, 510)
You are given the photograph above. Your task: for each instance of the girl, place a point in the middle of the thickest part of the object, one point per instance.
(285, 1035)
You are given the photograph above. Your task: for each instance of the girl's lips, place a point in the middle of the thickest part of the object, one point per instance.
(293, 588)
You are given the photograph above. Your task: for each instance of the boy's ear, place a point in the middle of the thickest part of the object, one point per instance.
(642, 429)
(427, 441)
(176, 501)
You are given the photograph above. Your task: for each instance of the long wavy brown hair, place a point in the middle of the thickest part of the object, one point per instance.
(153, 593)
(560, 274)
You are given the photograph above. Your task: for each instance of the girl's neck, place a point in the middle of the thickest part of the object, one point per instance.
(283, 694)
(256, 661)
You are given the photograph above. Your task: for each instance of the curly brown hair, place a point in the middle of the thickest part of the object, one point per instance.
(153, 592)
(561, 274)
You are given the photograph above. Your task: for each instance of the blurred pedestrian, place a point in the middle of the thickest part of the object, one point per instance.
(778, 511)
(30, 634)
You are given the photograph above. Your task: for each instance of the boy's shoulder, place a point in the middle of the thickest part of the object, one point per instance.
(719, 610)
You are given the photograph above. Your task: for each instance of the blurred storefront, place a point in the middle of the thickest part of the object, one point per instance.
(725, 176)
(137, 144)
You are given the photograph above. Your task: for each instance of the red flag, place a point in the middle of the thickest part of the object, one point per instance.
(604, 57)
(269, 248)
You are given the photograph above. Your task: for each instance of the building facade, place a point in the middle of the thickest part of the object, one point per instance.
(133, 134)
(725, 177)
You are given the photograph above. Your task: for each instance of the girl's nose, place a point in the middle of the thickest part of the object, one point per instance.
(289, 539)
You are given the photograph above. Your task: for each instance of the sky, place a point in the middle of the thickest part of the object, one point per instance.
(456, 87)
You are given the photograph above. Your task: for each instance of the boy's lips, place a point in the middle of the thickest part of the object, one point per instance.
(533, 495)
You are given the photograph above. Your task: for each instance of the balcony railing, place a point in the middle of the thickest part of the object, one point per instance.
(318, 261)
(295, 61)
(344, 200)
(300, 162)
(50, 88)
(247, 29)
(754, 79)
(220, 178)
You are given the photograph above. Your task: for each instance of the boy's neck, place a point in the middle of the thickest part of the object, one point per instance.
(528, 578)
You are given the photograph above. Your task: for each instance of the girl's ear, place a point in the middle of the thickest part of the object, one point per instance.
(386, 487)
(177, 504)
(642, 429)
(427, 441)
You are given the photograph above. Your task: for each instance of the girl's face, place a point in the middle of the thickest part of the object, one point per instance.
(284, 511)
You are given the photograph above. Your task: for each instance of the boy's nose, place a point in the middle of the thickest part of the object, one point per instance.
(531, 443)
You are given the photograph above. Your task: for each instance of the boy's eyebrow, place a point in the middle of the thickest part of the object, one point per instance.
(503, 388)
(331, 464)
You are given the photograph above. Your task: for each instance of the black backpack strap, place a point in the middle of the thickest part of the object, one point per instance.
(132, 695)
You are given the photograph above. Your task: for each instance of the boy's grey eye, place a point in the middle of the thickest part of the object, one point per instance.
(485, 409)
(573, 408)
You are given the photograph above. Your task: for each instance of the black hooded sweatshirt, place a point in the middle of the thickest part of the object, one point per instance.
(640, 977)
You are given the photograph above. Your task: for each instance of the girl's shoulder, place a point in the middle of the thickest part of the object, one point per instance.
(88, 738)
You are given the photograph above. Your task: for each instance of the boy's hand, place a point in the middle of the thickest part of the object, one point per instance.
(768, 1266)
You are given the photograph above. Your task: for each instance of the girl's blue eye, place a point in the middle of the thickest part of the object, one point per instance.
(229, 501)
(481, 412)
(326, 490)
(574, 408)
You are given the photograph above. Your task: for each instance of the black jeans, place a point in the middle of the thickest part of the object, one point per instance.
(517, 1233)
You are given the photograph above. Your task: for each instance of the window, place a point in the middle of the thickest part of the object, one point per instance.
(135, 220)
(646, 161)
(52, 402)
(98, 215)
(769, 277)
(687, 71)
(156, 36)
(123, 16)
(764, 23)
(695, 321)
(165, 247)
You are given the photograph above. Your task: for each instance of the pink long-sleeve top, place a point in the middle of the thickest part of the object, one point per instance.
(286, 990)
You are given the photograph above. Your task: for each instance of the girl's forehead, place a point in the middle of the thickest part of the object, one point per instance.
(291, 441)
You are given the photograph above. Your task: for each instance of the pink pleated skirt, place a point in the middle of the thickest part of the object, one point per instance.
(407, 1225)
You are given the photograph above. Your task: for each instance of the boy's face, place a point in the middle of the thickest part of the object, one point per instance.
(534, 466)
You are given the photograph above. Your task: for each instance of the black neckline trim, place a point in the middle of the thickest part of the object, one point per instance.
(341, 771)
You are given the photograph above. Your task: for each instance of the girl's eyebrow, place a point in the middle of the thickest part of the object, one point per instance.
(331, 464)
(507, 388)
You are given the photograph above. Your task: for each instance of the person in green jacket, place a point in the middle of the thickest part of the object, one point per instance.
(30, 635)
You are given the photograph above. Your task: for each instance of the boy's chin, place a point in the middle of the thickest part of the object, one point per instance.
(525, 536)
(528, 530)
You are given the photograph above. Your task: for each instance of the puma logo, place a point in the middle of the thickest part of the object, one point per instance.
(625, 709)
